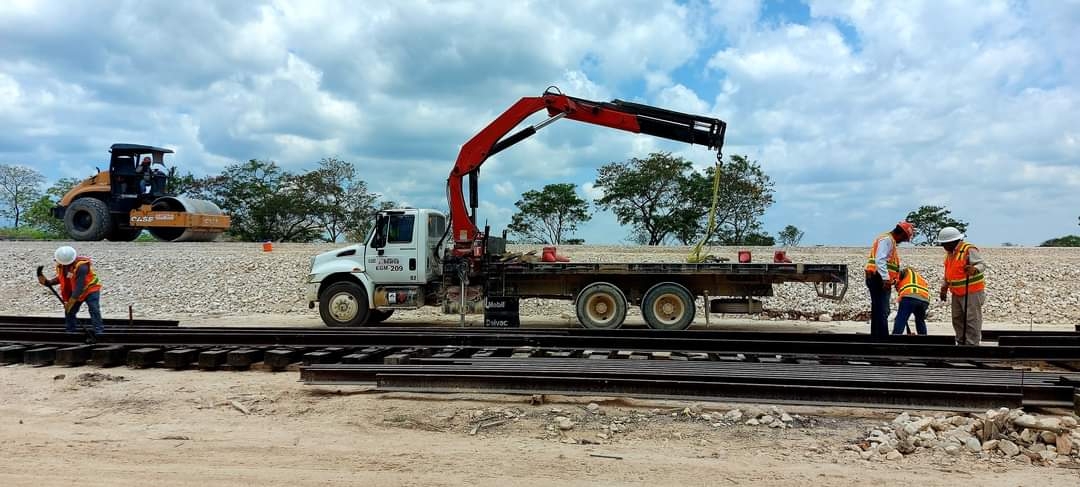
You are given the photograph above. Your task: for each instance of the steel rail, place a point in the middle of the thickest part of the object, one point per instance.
(13, 320)
(465, 338)
(797, 383)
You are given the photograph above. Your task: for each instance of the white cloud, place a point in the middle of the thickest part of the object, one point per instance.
(505, 188)
(971, 104)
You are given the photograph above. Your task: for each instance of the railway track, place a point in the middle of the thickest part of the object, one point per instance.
(851, 369)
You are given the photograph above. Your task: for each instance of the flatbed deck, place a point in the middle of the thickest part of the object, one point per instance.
(565, 279)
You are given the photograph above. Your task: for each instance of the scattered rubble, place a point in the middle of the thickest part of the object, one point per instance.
(997, 435)
(91, 379)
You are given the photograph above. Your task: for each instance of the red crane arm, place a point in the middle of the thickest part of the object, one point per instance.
(617, 114)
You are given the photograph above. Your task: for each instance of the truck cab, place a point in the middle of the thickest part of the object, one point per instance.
(396, 267)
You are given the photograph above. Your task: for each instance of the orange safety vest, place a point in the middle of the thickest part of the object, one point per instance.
(893, 262)
(912, 284)
(67, 279)
(959, 282)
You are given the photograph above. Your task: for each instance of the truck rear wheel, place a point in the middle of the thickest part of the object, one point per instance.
(601, 305)
(88, 219)
(668, 306)
(344, 304)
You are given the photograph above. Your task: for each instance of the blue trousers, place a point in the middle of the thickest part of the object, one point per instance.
(93, 302)
(911, 306)
(879, 304)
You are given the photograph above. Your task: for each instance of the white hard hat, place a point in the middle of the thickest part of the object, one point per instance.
(949, 234)
(64, 255)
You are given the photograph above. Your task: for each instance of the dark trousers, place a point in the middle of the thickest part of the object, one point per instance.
(879, 304)
(93, 303)
(911, 306)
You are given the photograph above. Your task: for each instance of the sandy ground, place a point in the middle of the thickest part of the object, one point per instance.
(157, 427)
(181, 428)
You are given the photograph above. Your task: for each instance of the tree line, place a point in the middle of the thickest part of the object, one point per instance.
(662, 199)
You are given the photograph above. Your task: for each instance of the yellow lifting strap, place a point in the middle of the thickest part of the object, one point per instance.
(695, 254)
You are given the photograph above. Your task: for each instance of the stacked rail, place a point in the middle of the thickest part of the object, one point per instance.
(850, 369)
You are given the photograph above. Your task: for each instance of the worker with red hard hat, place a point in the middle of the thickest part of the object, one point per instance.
(882, 273)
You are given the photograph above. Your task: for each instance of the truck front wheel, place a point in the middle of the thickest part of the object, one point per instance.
(344, 304)
(668, 306)
(601, 305)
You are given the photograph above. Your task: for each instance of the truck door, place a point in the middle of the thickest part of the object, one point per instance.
(392, 251)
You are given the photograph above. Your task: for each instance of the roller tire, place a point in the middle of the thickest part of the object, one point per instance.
(88, 219)
(601, 306)
(124, 234)
(344, 304)
(668, 306)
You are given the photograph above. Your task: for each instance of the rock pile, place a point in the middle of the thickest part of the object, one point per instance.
(997, 435)
(228, 278)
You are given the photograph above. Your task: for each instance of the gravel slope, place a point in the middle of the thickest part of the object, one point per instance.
(1025, 285)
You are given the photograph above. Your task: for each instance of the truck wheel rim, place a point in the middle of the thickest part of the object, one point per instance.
(600, 308)
(669, 309)
(343, 307)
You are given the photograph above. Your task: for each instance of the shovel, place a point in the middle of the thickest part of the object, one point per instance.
(90, 338)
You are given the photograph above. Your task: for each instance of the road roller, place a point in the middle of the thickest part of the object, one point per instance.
(129, 197)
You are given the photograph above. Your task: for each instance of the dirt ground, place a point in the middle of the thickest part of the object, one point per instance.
(116, 427)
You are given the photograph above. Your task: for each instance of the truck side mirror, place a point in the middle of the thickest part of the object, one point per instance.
(378, 239)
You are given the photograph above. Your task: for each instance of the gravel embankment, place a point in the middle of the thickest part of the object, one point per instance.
(1025, 285)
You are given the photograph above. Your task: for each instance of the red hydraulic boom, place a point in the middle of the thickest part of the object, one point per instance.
(617, 114)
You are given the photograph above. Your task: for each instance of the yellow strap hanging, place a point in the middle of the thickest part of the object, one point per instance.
(695, 254)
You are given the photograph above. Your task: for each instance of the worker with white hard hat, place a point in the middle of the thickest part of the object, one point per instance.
(78, 284)
(882, 273)
(965, 279)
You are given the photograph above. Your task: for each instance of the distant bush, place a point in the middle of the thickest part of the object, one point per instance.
(1066, 241)
(24, 233)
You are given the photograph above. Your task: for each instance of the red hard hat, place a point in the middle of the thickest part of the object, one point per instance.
(907, 228)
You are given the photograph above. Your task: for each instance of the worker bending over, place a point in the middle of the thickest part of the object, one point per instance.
(964, 278)
(78, 284)
(913, 298)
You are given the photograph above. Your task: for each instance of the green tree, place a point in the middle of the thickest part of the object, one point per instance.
(759, 239)
(342, 199)
(745, 193)
(650, 195)
(928, 220)
(179, 185)
(790, 236)
(19, 189)
(264, 202)
(40, 216)
(1066, 241)
(550, 215)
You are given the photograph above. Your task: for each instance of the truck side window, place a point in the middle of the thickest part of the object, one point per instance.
(401, 228)
(436, 226)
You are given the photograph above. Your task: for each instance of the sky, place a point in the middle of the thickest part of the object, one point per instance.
(860, 111)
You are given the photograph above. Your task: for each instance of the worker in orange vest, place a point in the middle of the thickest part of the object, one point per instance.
(78, 284)
(913, 298)
(966, 281)
(882, 272)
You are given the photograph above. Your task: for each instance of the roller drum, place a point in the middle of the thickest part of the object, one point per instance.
(186, 205)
